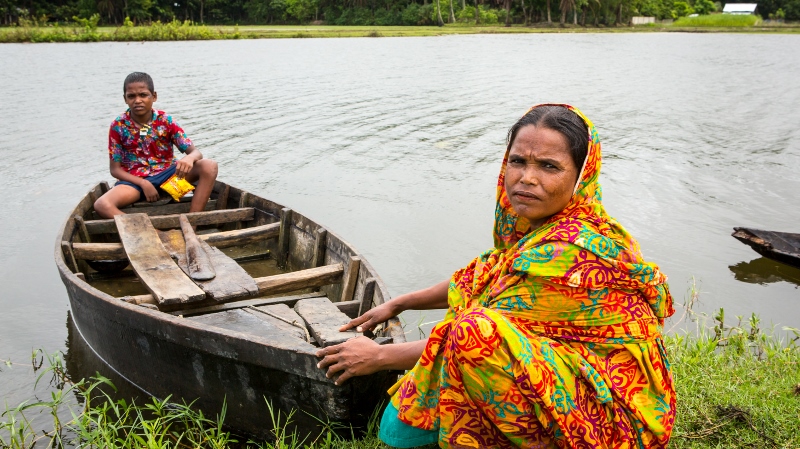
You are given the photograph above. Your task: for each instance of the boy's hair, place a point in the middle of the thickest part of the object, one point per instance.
(138, 77)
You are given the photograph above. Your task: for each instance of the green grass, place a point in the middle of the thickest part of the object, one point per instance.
(737, 387)
(86, 31)
(718, 20)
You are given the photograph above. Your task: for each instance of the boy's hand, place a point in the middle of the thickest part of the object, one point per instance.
(150, 192)
(184, 166)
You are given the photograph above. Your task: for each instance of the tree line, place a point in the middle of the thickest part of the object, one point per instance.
(371, 12)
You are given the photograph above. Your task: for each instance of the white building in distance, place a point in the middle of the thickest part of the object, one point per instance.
(740, 8)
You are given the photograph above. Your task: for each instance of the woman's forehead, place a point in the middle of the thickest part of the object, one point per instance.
(539, 140)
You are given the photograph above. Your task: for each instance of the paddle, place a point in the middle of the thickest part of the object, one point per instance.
(199, 264)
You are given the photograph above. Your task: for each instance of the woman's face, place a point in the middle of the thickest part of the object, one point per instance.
(540, 175)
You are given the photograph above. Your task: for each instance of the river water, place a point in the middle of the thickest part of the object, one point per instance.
(395, 144)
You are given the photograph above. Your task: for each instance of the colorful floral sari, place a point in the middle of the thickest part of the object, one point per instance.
(552, 338)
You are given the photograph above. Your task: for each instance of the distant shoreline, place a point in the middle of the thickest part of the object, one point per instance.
(176, 31)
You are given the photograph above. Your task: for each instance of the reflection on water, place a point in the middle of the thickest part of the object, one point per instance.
(765, 271)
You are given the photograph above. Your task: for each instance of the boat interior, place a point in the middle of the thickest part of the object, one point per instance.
(244, 264)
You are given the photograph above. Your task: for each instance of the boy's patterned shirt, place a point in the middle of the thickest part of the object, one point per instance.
(147, 150)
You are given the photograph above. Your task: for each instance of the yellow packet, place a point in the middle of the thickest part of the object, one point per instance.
(177, 187)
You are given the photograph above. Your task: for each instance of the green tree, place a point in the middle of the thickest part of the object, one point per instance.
(301, 10)
(704, 7)
(682, 9)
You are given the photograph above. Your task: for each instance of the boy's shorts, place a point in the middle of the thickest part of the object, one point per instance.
(156, 180)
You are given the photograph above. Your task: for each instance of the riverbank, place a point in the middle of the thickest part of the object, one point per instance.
(737, 387)
(178, 31)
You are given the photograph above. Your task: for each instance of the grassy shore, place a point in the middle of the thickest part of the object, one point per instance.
(176, 31)
(737, 386)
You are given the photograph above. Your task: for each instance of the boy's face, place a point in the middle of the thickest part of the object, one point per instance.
(139, 98)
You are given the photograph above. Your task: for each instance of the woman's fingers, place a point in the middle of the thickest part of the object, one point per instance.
(355, 357)
(365, 318)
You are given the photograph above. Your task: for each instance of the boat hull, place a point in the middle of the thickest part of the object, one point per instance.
(783, 247)
(171, 356)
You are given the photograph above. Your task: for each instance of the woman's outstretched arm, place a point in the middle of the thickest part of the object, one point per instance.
(434, 297)
(361, 356)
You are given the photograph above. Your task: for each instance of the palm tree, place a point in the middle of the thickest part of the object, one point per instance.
(439, 14)
(106, 6)
(477, 13)
(452, 14)
(548, 12)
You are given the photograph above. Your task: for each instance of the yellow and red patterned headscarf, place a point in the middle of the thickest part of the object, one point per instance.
(611, 256)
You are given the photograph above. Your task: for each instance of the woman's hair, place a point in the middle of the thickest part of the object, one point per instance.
(561, 119)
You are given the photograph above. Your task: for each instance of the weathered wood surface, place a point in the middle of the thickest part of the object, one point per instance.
(312, 277)
(290, 301)
(320, 238)
(281, 316)
(231, 280)
(160, 207)
(350, 278)
(283, 238)
(240, 321)
(269, 285)
(213, 217)
(69, 257)
(226, 239)
(82, 231)
(99, 251)
(171, 221)
(222, 198)
(198, 263)
(324, 319)
(241, 237)
(369, 294)
(151, 262)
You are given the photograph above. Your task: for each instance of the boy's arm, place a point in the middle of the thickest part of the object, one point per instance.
(185, 164)
(118, 172)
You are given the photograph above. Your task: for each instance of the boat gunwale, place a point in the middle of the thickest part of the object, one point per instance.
(241, 347)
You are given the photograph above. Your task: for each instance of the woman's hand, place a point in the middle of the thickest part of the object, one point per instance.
(356, 357)
(373, 317)
(150, 192)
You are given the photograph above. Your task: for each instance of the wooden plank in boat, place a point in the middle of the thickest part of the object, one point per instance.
(231, 280)
(151, 262)
(295, 280)
(238, 320)
(290, 301)
(324, 319)
(287, 282)
(171, 221)
(160, 207)
(198, 262)
(280, 315)
(225, 239)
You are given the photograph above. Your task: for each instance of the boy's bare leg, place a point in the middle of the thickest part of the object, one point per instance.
(109, 204)
(204, 172)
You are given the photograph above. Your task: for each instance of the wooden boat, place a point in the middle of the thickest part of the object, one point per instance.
(781, 246)
(236, 339)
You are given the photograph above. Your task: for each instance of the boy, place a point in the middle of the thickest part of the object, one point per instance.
(140, 148)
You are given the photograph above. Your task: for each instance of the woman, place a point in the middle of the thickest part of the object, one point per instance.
(552, 338)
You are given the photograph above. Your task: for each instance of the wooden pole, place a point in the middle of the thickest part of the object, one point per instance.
(320, 240)
(369, 293)
(283, 238)
(350, 278)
